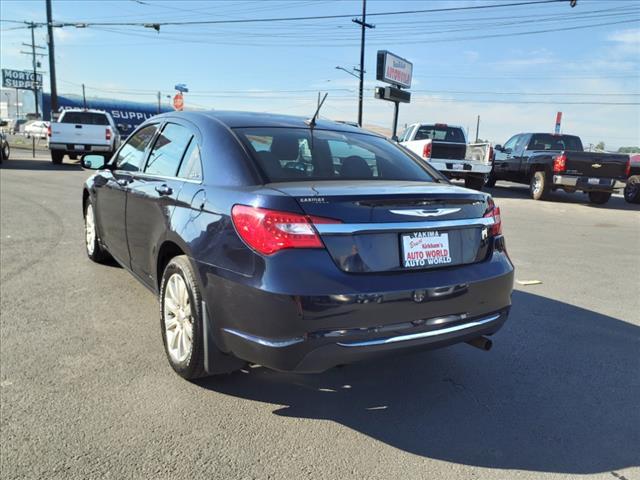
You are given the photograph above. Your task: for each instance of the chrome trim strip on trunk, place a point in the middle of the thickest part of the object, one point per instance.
(267, 342)
(349, 228)
(416, 336)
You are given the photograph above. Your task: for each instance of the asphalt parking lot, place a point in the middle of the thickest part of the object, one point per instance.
(86, 391)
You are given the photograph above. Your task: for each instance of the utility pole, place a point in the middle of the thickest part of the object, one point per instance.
(17, 105)
(84, 98)
(34, 56)
(364, 25)
(52, 61)
(478, 129)
(159, 105)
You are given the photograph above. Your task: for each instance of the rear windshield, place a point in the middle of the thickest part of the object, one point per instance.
(546, 141)
(442, 133)
(294, 154)
(85, 118)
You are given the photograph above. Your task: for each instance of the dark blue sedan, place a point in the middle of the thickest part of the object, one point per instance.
(295, 245)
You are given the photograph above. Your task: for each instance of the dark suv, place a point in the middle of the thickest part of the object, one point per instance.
(295, 245)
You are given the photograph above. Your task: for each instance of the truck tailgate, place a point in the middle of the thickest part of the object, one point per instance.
(601, 165)
(69, 133)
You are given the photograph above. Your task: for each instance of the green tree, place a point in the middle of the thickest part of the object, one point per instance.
(629, 150)
(600, 145)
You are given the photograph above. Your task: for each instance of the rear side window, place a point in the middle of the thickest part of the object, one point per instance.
(547, 141)
(131, 155)
(168, 150)
(441, 133)
(85, 118)
(191, 166)
(298, 154)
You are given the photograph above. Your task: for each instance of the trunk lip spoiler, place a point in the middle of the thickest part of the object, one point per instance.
(351, 228)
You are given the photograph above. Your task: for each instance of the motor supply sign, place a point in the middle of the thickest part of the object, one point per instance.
(393, 69)
(20, 79)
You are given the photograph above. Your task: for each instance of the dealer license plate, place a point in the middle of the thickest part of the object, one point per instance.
(79, 147)
(458, 166)
(594, 181)
(425, 249)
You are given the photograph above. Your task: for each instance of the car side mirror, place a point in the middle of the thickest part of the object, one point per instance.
(506, 150)
(93, 162)
(498, 148)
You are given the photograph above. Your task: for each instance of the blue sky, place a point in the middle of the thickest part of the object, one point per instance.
(466, 63)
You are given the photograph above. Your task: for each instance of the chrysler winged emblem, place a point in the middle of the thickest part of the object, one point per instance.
(437, 212)
(596, 165)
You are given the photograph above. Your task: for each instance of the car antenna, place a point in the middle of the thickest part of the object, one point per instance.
(312, 121)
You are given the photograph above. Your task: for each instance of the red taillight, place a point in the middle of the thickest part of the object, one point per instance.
(107, 134)
(627, 170)
(49, 131)
(494, 212)
(426, 150)
(269, 231)
(560, 163)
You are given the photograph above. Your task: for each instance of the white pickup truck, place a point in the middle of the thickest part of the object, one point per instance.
(445, 148)
(80, 131)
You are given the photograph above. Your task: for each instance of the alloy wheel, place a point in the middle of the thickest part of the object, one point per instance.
(178, 318)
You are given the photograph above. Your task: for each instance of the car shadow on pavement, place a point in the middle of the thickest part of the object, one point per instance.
(559, 392)
(35, 164)
(560, 197)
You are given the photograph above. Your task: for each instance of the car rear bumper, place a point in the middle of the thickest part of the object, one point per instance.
(460, 167)
(588, 184)
(86, 148)
(311, 333)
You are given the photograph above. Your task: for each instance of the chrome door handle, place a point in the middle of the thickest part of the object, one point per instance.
(123, 182)
(164, 190)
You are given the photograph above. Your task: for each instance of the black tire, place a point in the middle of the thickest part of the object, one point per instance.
(56, 157)
(599, 198)
(490, 180)
(474, 182)
(192, 367)
(632, 190)
(539, 186)
(6, 151)
(93, 247)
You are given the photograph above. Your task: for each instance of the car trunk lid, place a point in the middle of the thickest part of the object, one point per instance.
(381, 221)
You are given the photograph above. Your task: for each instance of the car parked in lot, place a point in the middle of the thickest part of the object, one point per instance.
(294, 244)
(5, 150)
(445, 148)
(632, 188)
(80, 131)
(548, 162)
(36, 129)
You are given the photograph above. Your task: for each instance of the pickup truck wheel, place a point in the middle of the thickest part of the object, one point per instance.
(632, 190)
(539, 186)
(474, 182)
(95, 251)
(490, 180)
(56, 157)
(599, 198)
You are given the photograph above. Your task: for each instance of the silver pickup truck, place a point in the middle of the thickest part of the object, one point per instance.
(445, 148)
(80, 131)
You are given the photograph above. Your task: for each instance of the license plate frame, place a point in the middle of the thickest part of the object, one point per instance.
(78, 147)
(457, 166)
(425, 249)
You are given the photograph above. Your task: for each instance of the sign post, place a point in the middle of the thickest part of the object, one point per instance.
(558, 121)
(398, 72)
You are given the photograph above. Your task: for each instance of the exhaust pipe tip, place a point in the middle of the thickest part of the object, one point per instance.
(483, 343)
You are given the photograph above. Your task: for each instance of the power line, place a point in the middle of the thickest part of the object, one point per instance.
(83, 24)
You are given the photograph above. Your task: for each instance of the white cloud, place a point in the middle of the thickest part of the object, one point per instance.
(629, 37)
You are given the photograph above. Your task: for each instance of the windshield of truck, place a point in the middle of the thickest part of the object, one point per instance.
(442, 133)
(85, 118)
(294, 154)
(547, 141)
